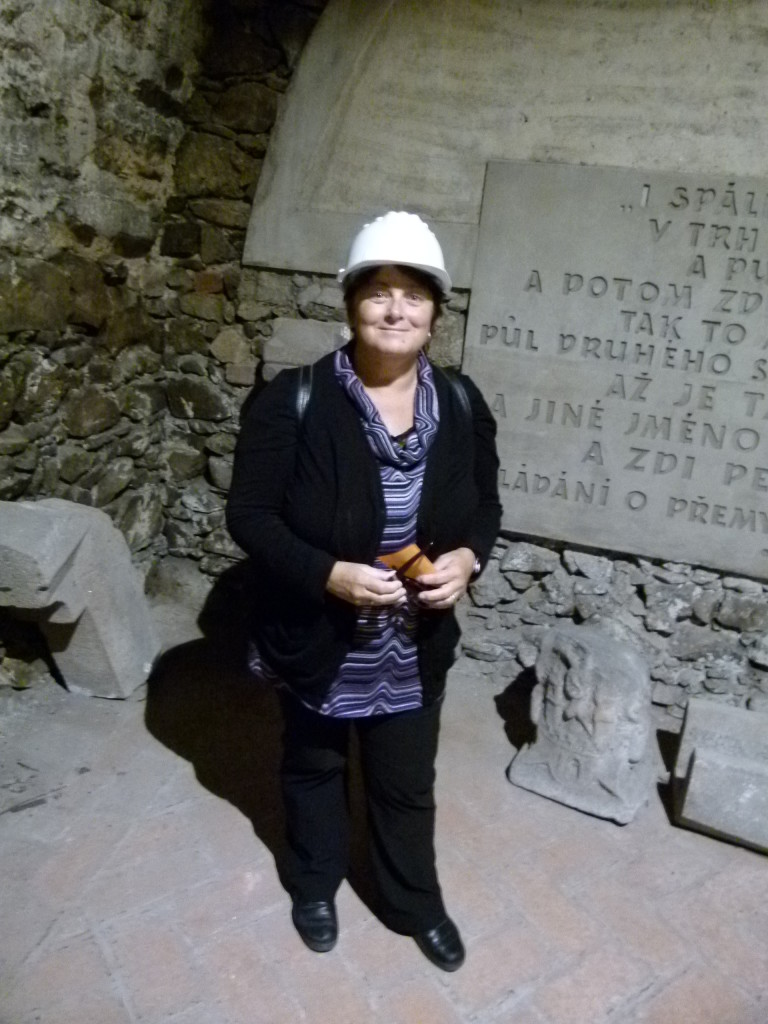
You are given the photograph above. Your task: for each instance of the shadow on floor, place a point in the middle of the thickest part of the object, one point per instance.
(514, 708)
(669, 744)
(205, 705)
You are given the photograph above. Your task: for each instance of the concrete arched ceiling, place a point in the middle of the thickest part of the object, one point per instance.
(401, 103)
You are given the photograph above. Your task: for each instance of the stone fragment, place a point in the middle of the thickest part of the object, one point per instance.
(447, 344)
(198, 498)
(89, 411)
(250, 310)
(135, 362)
(209, 281)
(180, 279)
(184, 462)
(69, 568)
(595, 567)
(35, 295)
(192, 398)
(231, 346)
(758, 652)
(45, 386)
(689, 643)
(751, 587)
(140, 516)
(298, 342)
(208, 165)
(720, 778)
(215, 245)
(588, 606)
(182, 537)
(220, 471)
(485, 650)
(219, 542)
(231, 278)
(743, 612)
(131, 326)
(246, 107)
(527, 653)
(265, 286)
(221, 444)
(143, 401)
(703, 608)
(203, 307)
(666, 694)
(13, 485)
(215, 565)
(519, 580)
(704, 577)
(591, 707)
(758, 702)
(183, 336)
(316, 296)
(558, 587)
(117, 476)
(227, 213)
(92, 300)
(242, 375)
(13, 441)
(491, 588)
(660, 619)
(524, 557)
(194, 363)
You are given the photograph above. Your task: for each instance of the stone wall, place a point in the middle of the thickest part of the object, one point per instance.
(130, 334)
(701, 632)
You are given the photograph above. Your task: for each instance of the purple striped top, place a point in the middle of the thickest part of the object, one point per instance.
(380, 674)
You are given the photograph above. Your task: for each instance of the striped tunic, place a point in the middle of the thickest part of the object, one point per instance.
(380, 674)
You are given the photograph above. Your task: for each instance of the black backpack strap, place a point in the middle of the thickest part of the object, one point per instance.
(303, 391)
(459, 390)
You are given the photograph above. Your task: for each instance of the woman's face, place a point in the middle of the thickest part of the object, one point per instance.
(393, 313)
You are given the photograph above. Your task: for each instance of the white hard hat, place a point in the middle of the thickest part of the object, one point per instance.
(398, 238)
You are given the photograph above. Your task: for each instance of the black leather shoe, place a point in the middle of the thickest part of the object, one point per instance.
(442, 945)
(316, 923)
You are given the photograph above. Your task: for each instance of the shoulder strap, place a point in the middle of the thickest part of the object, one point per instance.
(459, 390)
(303, 391)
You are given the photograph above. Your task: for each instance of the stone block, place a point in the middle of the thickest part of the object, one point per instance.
(298, 342)
(69, 568)
(36, 551)
(592, 709)
(720, 778)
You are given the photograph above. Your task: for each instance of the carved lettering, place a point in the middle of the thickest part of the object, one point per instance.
(710, 513)
(647, 363)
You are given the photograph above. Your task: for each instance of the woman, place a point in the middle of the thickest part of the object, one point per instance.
(390, 458)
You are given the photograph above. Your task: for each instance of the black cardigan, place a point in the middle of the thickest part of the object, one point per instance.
(306, 495)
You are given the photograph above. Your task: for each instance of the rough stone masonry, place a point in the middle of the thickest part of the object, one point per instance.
(130, 333)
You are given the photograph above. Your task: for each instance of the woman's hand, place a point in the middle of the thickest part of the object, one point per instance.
(444, 586)
(365, 585)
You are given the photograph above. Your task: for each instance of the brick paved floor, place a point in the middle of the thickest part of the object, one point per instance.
(138, 843)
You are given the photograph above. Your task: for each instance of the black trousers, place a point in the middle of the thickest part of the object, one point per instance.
(397, 759)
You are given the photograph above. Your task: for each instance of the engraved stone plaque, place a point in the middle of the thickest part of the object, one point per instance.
(618, 328)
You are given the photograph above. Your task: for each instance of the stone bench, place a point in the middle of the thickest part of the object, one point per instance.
(66, 567)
